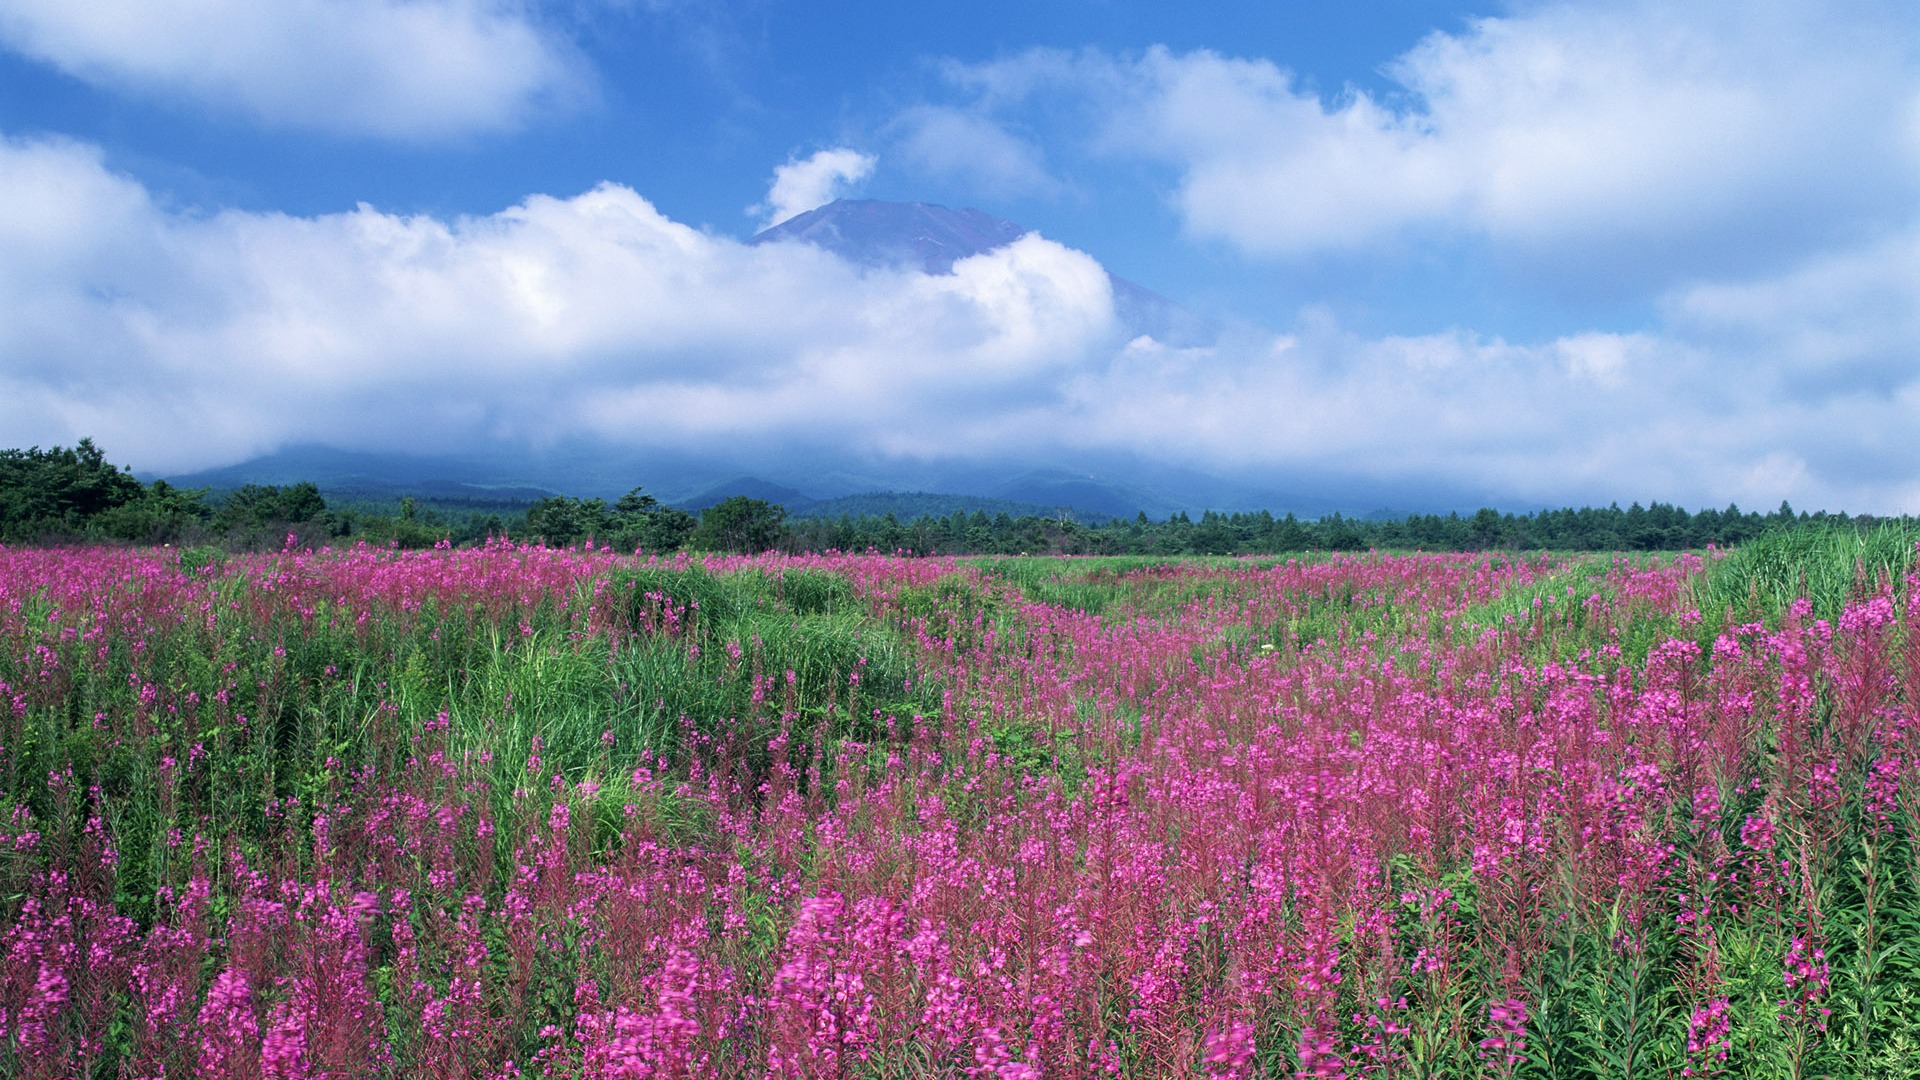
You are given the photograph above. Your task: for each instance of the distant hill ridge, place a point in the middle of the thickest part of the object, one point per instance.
(355, 477)
(827, 488)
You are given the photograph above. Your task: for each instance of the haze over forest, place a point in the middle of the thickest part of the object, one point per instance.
(1414, 257)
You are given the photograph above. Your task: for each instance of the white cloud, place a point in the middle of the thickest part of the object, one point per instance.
(801, 185)
(968, 148)
(1647, 141)
(1607, 359)
(1799, 385)
(396, 69)
(1845, 321)
(182, 340)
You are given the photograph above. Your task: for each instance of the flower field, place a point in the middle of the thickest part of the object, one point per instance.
(522, 812)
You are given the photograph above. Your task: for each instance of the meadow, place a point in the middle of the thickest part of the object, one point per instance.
(512, 811)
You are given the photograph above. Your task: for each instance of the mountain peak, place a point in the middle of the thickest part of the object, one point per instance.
(874, 232)
(931, 238)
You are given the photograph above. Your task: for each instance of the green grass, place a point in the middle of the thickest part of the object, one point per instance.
(1121, 585)
(1827, 565)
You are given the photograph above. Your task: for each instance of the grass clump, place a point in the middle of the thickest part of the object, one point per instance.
(1826, 565)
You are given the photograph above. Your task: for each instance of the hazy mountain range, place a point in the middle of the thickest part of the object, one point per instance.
(505, 479)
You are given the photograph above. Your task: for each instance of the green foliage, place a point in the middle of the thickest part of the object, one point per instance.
(665, 529)
(635, 521)
(1034, 748)
(71, 493)
(1873, 925)
(161, 514)
(740, 524)
(561, 522)
(700, 596)
(1083, 586)
(269, 506)
(799, 644)
(202, 561)
(400, 532)
(815, 592)
(1555, 602)
(1826, 562)
(1632, 1025)
(1655, 527)
(426, 520)
(60, 485)
(952, 607)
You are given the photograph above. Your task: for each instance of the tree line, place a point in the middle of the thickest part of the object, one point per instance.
(65, 495)
(1656, 527)
(73, 495)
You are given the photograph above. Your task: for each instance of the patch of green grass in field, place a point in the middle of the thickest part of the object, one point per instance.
(955, 607)
(752, 655)
(1550, 612)
(1760, 579)
(1057, 582)
(1123, 585)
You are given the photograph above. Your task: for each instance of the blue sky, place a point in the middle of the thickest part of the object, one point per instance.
(1557, 252)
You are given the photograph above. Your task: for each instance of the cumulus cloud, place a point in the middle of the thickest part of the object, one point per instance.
(968, 148)
(1844, 322)
(395, 69)
(183, 340)
(801, 185)
(1656, 141)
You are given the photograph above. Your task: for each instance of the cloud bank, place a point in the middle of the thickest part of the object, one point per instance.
(390, 69)
(183, 340)
(1645, 143)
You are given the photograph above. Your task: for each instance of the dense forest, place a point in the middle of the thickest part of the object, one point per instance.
(73, 495)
